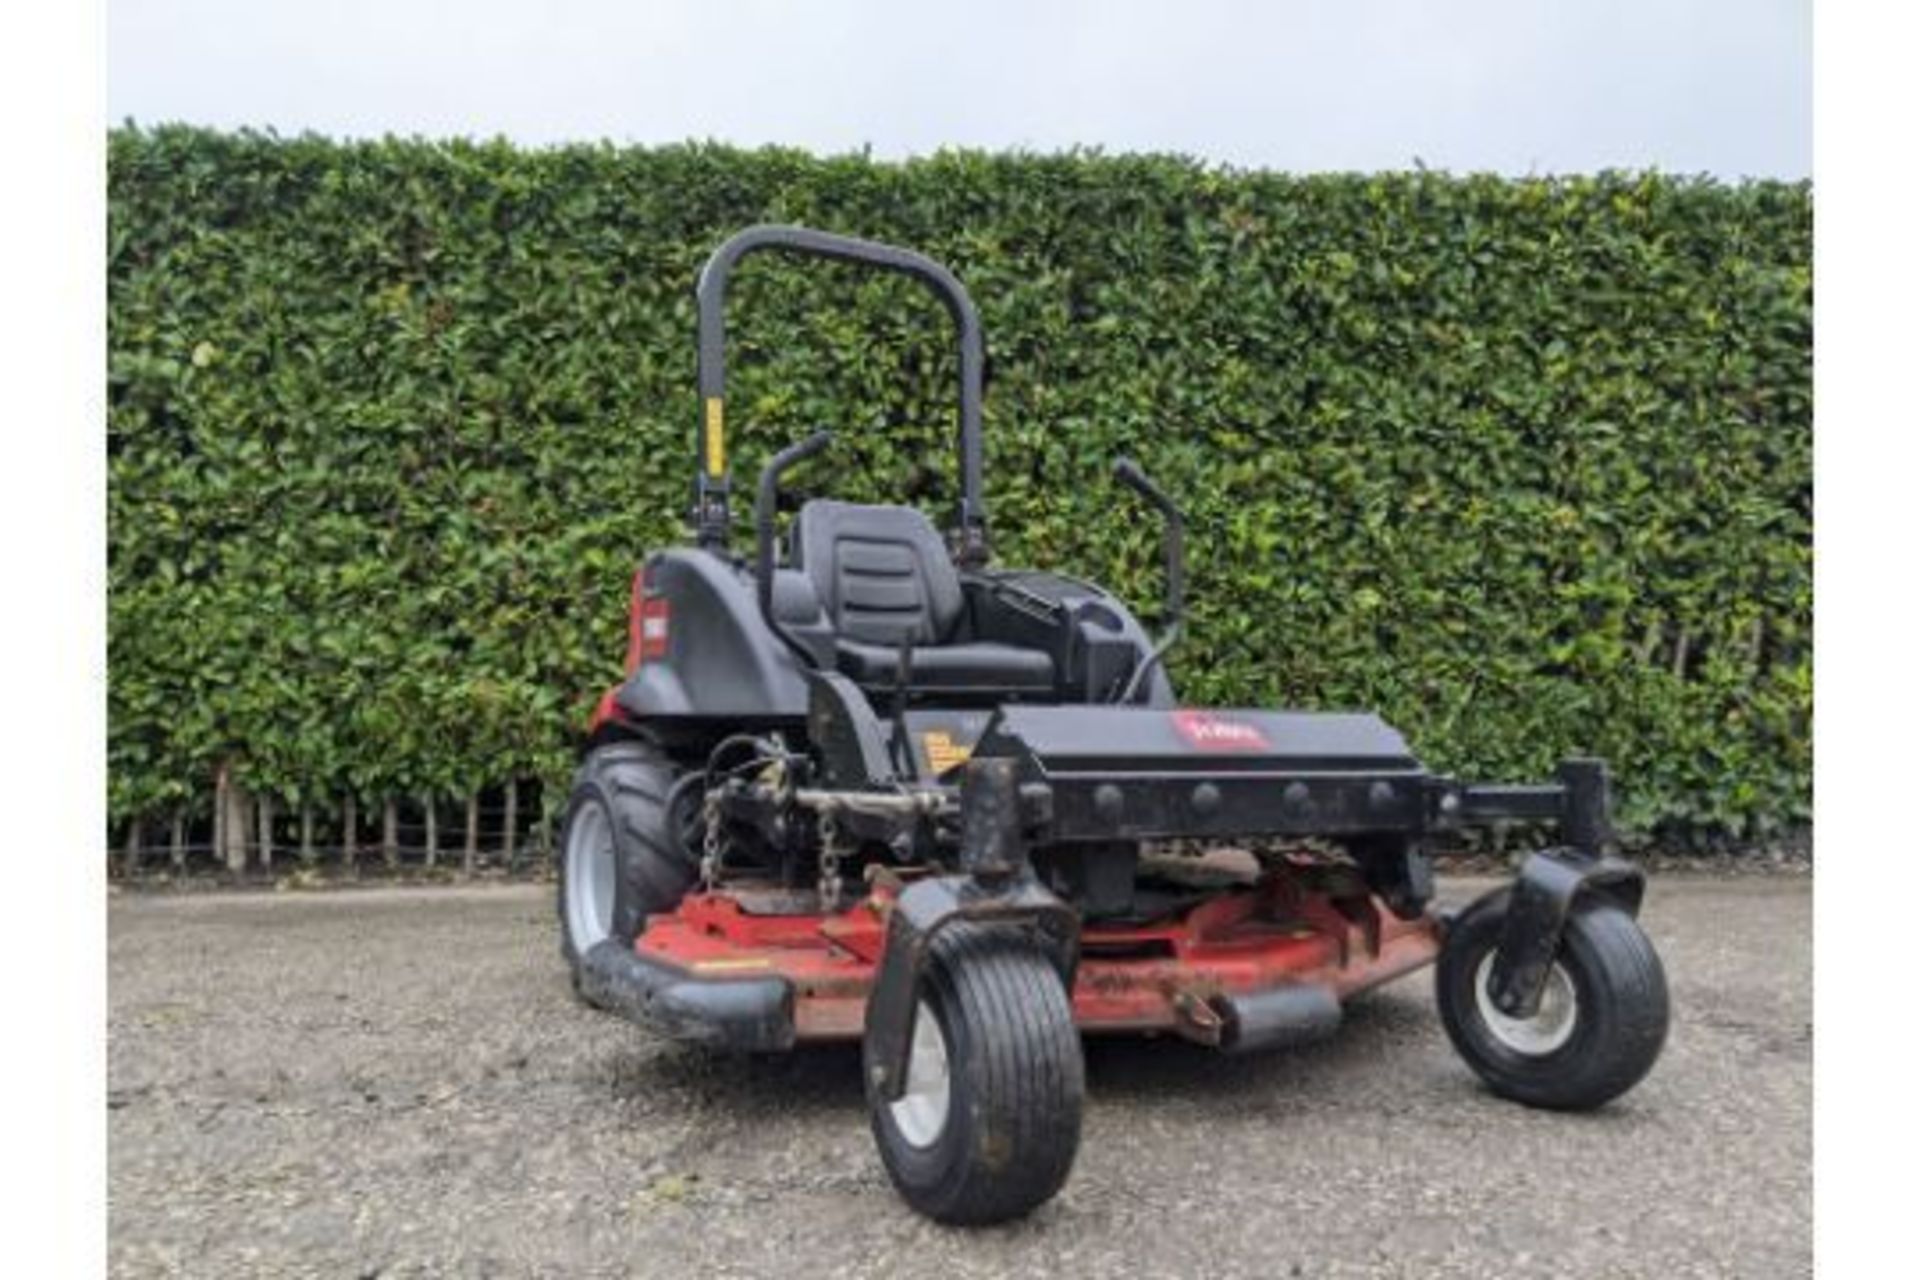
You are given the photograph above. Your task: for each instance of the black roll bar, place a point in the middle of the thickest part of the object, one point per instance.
(711, 513)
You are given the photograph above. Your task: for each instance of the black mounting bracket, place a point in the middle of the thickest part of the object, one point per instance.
(1550, 882)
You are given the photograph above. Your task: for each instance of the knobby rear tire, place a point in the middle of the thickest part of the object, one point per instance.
(632, 785)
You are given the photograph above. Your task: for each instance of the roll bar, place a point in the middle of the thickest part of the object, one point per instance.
(711, 514)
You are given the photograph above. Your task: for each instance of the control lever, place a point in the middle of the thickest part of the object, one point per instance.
(764, 505)
(1173, 623)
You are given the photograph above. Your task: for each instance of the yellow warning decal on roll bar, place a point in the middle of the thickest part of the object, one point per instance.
(716, 438)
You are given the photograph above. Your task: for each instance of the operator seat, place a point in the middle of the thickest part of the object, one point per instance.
(883, 576)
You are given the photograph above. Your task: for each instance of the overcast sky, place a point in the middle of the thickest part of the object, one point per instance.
(1514, 86)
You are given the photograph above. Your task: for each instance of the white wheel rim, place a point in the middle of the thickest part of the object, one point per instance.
(921, 1112)
(1550, 1027)
(590, 875)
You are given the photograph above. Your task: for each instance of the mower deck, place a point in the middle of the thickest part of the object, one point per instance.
(1253, 966)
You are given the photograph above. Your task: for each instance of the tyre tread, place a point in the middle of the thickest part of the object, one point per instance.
(1030, 1078)
(1625, 1004)
(634, 780)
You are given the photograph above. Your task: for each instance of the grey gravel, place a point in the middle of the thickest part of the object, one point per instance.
(398, 1083)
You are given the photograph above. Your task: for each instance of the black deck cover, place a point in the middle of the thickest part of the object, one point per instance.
(1080, 739)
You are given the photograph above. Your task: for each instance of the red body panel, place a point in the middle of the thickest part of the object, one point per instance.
(640, 647)
(1146, 979)
(608, 709)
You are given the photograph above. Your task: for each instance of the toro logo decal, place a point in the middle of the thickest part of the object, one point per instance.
(1209, 731)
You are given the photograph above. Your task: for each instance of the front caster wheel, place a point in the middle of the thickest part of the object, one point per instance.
(988, 1124)
(1602, 1018)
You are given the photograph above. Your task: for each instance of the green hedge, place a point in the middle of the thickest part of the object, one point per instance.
(1525, 464)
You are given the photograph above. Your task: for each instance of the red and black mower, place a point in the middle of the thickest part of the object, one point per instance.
(866, 785)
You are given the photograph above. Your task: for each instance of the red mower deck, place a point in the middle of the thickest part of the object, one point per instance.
(1171, 976)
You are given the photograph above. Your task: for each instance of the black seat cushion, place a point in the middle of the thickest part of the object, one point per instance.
(883, 577)
(881, 572)
(980, 665)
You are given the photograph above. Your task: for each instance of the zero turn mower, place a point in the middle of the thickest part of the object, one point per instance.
(863, 784)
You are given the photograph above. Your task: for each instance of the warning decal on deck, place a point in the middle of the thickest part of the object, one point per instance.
(943, 753)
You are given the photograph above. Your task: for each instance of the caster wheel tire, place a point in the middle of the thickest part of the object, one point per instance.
(625, 851)
(1602, 1018)
(990, 1120)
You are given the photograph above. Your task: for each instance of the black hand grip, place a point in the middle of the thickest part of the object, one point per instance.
(794, 454)
(763, 511)
(1129, 473)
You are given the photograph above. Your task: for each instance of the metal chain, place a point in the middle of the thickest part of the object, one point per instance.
(830, 852)
(710, 849)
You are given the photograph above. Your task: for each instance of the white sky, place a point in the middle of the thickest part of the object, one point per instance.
(1514, 86)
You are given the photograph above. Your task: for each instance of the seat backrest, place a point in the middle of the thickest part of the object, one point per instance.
(880, 572)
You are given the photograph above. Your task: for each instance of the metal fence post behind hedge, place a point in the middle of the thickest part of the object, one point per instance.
(266, 831)
(433, 828)
(349, 840)
(470, 853)
(390, 833)
(220, 814)
(510, 823)
(177, 847)
(543, 840)
(231, 820)
(130, 865)
(306, 835)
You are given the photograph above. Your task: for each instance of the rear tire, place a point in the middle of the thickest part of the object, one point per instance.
(1602, 1020)
(990, 1122)
(622, 855)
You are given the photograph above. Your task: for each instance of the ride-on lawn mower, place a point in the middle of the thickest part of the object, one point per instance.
(875, 788)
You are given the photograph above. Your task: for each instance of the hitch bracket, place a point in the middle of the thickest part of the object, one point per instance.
(1550, 882)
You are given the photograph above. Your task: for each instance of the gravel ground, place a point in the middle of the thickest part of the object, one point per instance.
(398, 1083)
